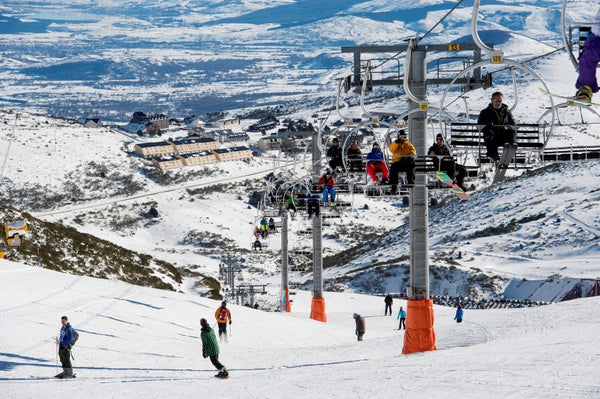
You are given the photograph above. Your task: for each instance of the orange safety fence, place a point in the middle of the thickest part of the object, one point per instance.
(317, 310)
(419, 335)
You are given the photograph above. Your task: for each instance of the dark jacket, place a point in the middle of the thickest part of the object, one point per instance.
(388, 299)
(353, 153)
(494, 117)
(210, 347)
(439, 151)
(335, 151)
(360, 324)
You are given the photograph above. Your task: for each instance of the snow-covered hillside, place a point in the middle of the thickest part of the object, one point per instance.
(137, 342)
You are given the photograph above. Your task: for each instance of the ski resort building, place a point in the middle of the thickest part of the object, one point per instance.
(233, 153)
(198, 158)
(200, 144)
(167, 161)
(149, 150)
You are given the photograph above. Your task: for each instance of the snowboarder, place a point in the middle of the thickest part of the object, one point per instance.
(402, 160)
(223, 315)
(494, 119)
(327, 184)
(375, 163)
(64, 351)
(459, 314)
(587, 83)
(360, 326)
(210, 348)
(447, 164)
(402, 317)
(388, 303)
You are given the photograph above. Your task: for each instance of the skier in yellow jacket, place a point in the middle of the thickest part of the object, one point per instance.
(403, 153)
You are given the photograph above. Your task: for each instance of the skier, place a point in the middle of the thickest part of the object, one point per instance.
(64, 351)
(493, 118)
(376, 164)
(210, 348)
(459, 314)
(388, 303)
(360, 326)
(588, 62)
(335, 153)
(447, 164)
(354, 156)
(312, 205)
(402, 160)
(223, 315)
(402, 317)
(327, 184)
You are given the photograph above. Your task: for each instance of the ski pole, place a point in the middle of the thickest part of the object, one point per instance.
(56, 354)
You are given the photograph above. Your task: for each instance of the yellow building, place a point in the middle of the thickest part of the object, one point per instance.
(167, 161)
(148, 150)
(198, 158)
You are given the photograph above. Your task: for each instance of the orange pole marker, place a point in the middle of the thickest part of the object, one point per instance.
(419, 335)
(317, 310)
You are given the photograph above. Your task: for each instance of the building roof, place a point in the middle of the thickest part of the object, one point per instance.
(197, 154)
(165, 158)
(154, 144)
(195, 140)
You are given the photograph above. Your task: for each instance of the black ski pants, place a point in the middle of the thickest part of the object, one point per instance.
(215, 361)
(402, 324)
(65, 357)
(388, 306)
(404, 164)
(495, 136)
(222, 328)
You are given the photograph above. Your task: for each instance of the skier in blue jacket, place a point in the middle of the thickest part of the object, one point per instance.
(64, 348)
(459, 314)
(402, 317)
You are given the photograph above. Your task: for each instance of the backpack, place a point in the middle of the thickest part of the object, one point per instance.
(223, 314)
(75, 337)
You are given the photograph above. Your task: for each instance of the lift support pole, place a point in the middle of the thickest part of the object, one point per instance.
(419, 335)
(286, 306)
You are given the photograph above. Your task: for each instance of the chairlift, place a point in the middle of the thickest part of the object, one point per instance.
(14, 232)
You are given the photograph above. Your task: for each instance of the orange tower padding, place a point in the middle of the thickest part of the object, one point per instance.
(419, 335)
(288, 305)
(317, 310)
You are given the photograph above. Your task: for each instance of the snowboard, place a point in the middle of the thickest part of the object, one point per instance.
(508, 153)
(570, 100)
(460, 193)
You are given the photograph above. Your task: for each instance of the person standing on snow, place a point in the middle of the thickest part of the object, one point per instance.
(459, 314)
(402, 317)
(223, 315)
(388, 303)
(64, 351)
(210, 348)
(360, 326)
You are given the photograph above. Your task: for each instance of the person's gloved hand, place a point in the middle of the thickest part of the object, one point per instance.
(229, 322)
